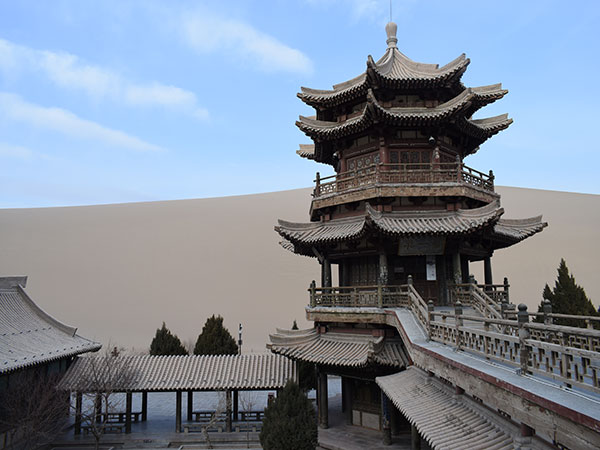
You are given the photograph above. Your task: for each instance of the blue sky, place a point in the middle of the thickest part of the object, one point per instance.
(120, 101)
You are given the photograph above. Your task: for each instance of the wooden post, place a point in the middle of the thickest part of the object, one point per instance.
(190, 405)
(178, 412)
(464, 268)
(506, 286)
(78, 402)
(487, 270)
(228, 411)
(236, 405)
(385, 419)
(317, 184)
(522, 319)
(128, 401)
(348, 399)
(144, 406)
(457, 268)
(98, 408)
(313, 300)
(323, 401)
(326, 273)
(415, 438)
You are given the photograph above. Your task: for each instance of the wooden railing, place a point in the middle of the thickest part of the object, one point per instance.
(566, 354)
(360, 296)
(378, 296)
(476, 296)
(414, 173)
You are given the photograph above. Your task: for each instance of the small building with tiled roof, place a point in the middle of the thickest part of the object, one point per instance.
(30, 338)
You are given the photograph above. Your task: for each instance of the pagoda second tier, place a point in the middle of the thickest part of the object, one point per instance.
(451, 118)
(483, 226)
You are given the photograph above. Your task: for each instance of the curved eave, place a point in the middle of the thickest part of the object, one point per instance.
(483, 129)
(464, 103)
(302, 237)
(323, 130)
(395, 70)
(306, 151)
(507, 232)
(336, 349)
(341, 93)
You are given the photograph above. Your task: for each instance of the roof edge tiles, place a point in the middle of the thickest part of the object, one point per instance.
(338, 349)
(467, 102)
(28, 335)
(256, 371)
(395, 223)
(393, 69)
(443, 419)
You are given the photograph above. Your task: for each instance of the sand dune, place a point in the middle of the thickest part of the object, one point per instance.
(118, 271)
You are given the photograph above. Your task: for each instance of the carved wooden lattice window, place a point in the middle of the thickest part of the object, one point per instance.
(362, 162)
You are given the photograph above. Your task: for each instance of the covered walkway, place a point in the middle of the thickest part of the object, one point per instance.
(99, 377)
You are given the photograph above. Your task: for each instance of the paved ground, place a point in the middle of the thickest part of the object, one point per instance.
(340, 436)
(160, 434)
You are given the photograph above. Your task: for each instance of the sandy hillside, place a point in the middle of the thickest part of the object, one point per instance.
(118, 271)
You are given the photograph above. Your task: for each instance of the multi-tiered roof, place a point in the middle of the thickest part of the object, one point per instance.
(396, 136)
(444, 102)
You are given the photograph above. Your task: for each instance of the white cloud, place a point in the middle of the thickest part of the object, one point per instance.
(207, 33)
(161, 94)
(69, 72)
(67, 123)
(16, 151)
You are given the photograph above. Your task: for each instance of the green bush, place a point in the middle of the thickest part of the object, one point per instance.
(290, 421)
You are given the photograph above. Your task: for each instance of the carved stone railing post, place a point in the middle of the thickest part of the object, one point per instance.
(522, 319)
(547, 309)
(409, 281)
(430, 309)
(458, 310)
(313, 287)
(504, 308)
(492, 177)
(506, 286)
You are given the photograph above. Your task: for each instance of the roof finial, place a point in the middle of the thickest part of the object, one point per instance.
(391, 29)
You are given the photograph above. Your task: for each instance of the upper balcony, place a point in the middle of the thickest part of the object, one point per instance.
(406, 180)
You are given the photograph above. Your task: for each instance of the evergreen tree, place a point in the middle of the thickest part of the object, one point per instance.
(290, 421)
(215, 339)
(567, 297)
(166, 343)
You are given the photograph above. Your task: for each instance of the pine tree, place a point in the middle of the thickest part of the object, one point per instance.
(290, 421)
(567, 297)
(166, 343)
(215, 339)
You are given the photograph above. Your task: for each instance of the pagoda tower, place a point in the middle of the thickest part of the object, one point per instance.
(402, 212)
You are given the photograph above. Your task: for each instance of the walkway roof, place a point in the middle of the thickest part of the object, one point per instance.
(442, 419)
(179, 373)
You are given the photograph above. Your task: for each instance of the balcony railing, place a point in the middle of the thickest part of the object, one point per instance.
(403, 174)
